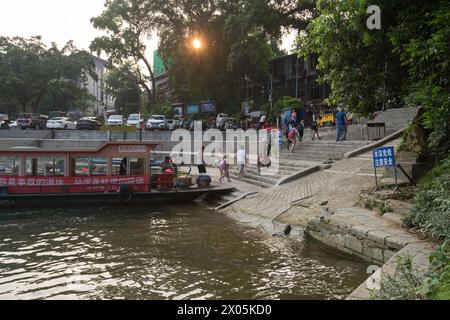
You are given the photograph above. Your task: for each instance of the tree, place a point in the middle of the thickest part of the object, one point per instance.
(121, 82)
(358, 63)
(282, 103)
(239, 38)
(407, 60)
(128, 25)
(421, 39)
(30, 72)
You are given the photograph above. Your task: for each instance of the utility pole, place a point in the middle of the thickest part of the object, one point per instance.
(296, 78)
(271, 92)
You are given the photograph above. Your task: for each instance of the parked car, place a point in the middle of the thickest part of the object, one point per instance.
(89, 123)
(135, 120)
(61, 123)
(30, 120)
(115, 120)
(13, 124)
(221, 120)
(156, 122)
(172, 124)
(4, 121)
(110, 112)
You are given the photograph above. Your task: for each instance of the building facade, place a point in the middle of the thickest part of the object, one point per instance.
(163, 93)
(102, 101)
(295, 77)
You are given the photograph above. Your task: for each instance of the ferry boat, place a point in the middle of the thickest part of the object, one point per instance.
(113, 173)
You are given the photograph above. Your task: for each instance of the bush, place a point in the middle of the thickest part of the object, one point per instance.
(408, 284)
(405, 284)
(430, 214)
(436, 285)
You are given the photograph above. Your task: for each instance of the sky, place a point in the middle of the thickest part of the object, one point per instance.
(59, 21)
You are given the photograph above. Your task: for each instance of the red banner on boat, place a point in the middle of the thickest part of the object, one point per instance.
(24, 185)
(72, 181)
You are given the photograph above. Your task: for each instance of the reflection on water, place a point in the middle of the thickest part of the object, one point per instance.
(153, 253)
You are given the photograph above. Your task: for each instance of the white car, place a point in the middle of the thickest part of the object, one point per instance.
(156, 122)
(61, 123)
(13, 125)
(115, 120)
(135, 120)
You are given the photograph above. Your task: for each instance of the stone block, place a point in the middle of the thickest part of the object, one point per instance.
(377, 237)
(397, 242)
(342, 223)
(360, 231)
(353, 243)
(388, 254)
(375, 253)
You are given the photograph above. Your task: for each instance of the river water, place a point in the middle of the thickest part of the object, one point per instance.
(179, 252)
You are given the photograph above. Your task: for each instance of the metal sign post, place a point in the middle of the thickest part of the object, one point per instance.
(385, 157)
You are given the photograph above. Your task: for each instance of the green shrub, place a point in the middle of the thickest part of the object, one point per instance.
(407, 283)
(430, 214)
(404, 284)
(436, 285)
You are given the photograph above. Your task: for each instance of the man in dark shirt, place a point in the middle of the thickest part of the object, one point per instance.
(341, 125)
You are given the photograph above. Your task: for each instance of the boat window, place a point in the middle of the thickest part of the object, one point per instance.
(119, 166)
(137, 166)
(80, 166)
(54, 167)
(35, 167)
(99, 167)
(9, 166)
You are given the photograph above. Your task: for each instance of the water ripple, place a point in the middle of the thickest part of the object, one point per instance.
(171, 253)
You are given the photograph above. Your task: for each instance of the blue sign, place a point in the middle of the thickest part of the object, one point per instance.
(208, 107)
(383, 157)
(192, 108)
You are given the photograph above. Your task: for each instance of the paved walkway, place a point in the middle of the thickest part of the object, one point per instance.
(325, 204)
(338, 185)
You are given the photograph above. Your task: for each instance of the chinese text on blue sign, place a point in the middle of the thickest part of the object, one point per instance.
(383, 157)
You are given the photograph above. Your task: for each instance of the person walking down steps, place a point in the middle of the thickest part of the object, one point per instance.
(224, 170)
(240, 157)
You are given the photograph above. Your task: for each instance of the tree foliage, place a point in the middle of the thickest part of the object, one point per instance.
(121, 82)
(128, 25)
(239, 38)
(357, 62)
(31, 73)
(406, 61)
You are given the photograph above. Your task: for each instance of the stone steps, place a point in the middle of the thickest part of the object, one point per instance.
(266, 180)
(251, 180)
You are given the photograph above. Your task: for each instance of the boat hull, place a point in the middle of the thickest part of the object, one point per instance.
(107, 199)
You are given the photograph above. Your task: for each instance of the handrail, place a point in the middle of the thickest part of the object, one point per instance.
(406, 174)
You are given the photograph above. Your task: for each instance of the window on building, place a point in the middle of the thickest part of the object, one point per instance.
(9, 166)
(137, 166)
(313, 63)
(316, 93)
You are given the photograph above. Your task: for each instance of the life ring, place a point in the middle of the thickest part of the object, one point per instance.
(125, 194)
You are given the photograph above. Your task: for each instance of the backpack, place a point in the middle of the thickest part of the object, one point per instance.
(291, 133)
